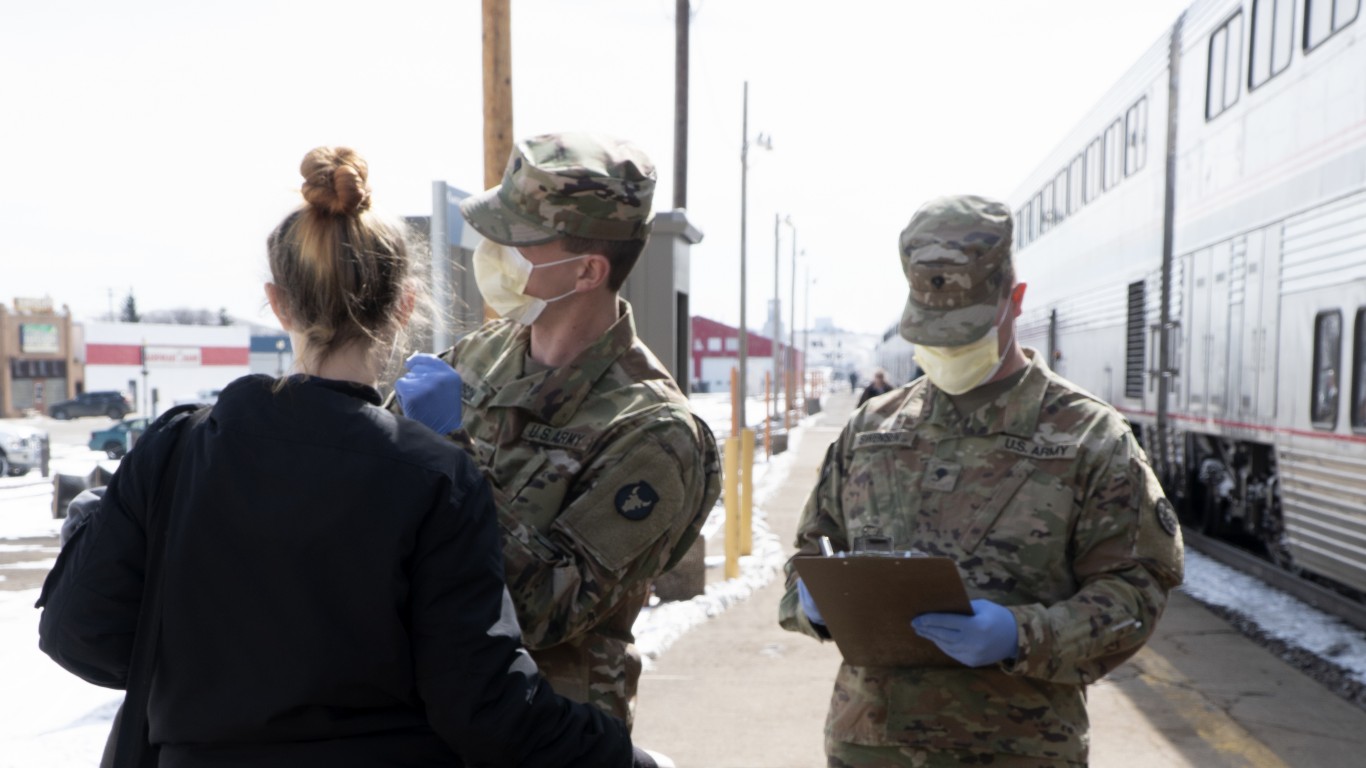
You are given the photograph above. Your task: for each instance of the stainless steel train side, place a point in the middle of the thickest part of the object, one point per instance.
(1251, 396)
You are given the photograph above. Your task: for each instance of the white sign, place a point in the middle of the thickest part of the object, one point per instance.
(26, 306)
(173, 357)
(39, 338)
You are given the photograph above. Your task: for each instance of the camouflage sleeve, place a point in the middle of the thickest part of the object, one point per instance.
(1128, 556)
(638, 502)
(822, 516)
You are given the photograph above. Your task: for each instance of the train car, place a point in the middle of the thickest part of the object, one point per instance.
(1196, 255)
(893, 355)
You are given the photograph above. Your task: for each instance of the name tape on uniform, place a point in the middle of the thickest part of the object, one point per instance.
(875, 439)
(555, 438)
(1041, 450)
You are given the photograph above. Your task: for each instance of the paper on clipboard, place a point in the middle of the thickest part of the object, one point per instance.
(868, 603)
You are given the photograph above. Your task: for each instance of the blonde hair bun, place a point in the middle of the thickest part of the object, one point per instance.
(336, 181)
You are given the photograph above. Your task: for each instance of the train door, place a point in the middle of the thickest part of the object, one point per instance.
(1222, 257)
(1255, 393)
(1197, 332)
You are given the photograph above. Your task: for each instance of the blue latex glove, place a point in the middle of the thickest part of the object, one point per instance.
(986, 637)
(808, 605)
(430, 393)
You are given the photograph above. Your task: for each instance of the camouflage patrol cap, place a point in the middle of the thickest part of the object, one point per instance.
(956, 256)
(558, 184)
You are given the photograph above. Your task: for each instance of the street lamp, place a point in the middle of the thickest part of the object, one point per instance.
(142, 354)
(765, 142)
(780, 371)
(806, 325)
(279, 357)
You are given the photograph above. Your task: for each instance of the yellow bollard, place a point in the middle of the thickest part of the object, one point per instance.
(731, 481)
(746, 491)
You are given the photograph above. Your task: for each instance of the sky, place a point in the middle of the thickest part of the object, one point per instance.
(152, 145)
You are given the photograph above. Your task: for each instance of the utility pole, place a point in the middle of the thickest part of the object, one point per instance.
(765, 142)
(682, 22)
(806, 326)
(792, 322)
(497, 96)
(776, 315)
(744, 206)
(497, 89)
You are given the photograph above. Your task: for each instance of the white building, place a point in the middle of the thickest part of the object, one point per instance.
(839, 351)
(157, 364)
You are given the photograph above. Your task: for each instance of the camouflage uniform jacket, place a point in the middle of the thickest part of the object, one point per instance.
(602, 478)
(1047, 503)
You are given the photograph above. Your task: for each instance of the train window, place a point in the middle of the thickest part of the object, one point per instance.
(1136, 137)
(1093, 165)
(1021, 216)
(1323, 18)
(1060, 196)
(1359, 371)
(1225, 66)
(1323, 404)
(1076, 182)
(1046, 217)
(1114, 155)
(1036, 227)
(1273, 34)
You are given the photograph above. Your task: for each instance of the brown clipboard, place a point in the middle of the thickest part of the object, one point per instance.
(868, 602)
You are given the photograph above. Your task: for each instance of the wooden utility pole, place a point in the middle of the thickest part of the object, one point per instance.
(497, 96)
(497, 89)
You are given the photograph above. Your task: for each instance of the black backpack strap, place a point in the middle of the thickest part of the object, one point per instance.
(128, 745)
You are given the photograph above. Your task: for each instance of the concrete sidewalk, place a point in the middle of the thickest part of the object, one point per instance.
(738, 690)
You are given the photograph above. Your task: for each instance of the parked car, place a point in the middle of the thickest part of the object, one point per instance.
(21, 448)
(118, 439)
(202, 397)
(112, 404)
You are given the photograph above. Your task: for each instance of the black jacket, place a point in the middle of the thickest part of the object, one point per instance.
(333, 597)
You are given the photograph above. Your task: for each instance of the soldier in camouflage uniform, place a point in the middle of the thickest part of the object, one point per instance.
(1034, 487)
(601, 473)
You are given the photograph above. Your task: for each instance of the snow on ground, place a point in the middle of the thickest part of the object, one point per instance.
(48, 717)
(714, 408)
(1276, 613)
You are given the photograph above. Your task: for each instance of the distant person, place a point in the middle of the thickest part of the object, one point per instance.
(1037, 490)
(332, 584)
(602, 476)
(853, 381)
(878, 386)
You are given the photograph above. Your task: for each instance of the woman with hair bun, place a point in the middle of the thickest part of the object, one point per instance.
(330, 589)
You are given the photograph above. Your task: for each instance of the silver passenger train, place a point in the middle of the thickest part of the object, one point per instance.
(1196, 256)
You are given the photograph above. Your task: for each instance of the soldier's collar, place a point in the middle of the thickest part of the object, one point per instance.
(554, 396)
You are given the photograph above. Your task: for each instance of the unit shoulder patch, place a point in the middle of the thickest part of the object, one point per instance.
(1166, 516)
(635, 501)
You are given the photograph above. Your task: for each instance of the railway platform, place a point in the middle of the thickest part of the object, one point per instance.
(739, 692)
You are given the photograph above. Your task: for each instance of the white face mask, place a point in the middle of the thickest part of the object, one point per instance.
(501, 273)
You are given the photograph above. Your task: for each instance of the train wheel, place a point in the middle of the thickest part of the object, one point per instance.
(1272, 534)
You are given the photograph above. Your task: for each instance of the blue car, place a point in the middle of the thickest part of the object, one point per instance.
(116, 440)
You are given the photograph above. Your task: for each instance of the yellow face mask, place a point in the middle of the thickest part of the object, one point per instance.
(961, 369)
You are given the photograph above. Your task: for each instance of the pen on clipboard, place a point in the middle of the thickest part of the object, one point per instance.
(826, 549)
